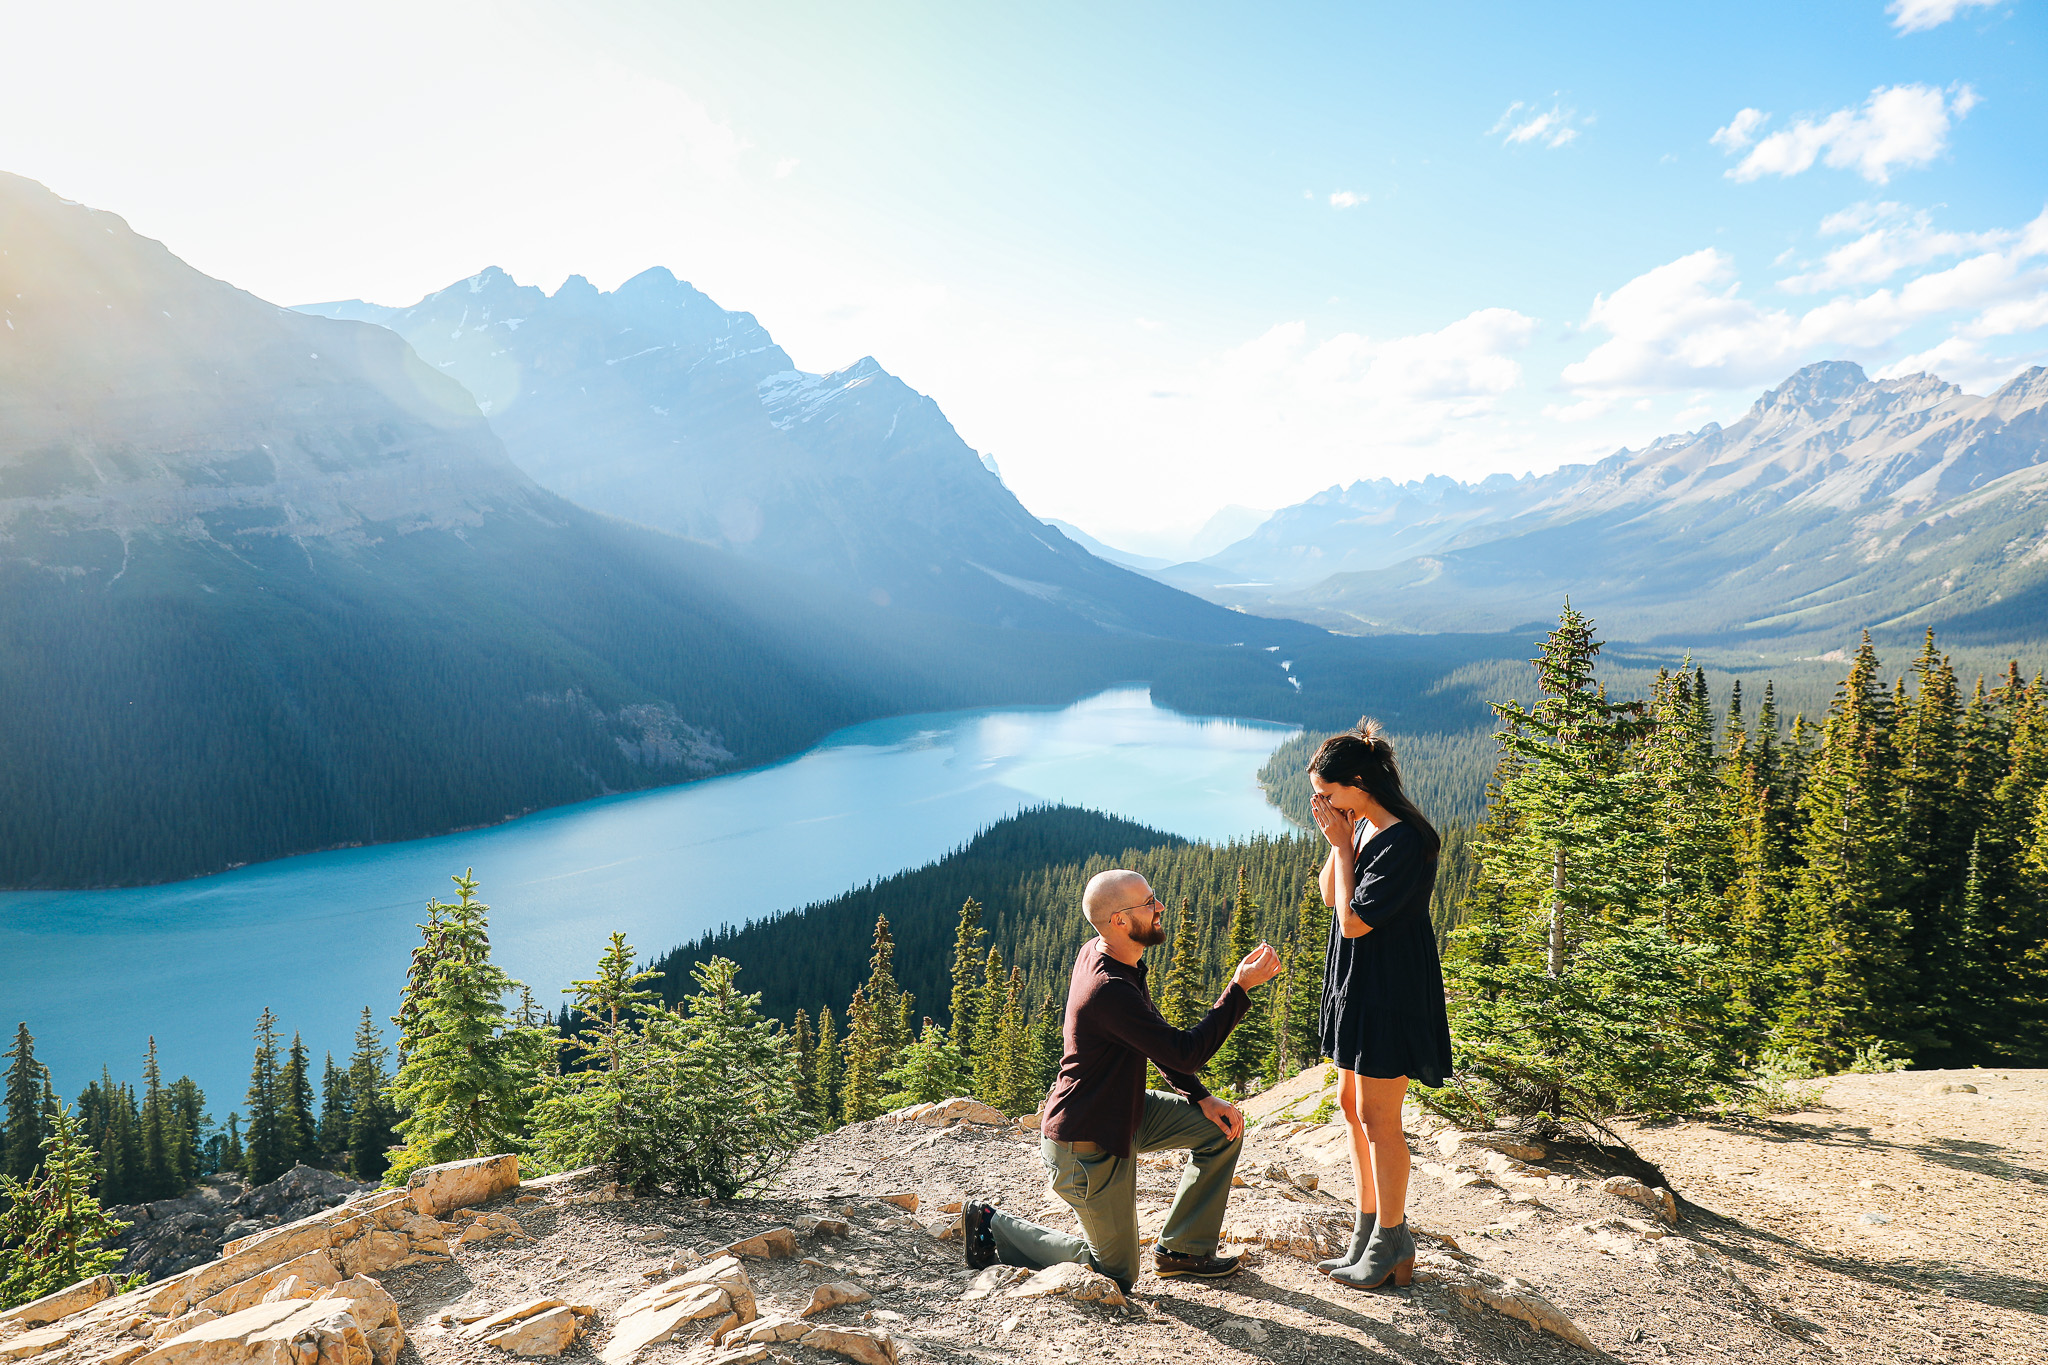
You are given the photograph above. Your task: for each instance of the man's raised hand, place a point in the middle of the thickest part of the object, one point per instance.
(1261, 965)
(1224, 1115)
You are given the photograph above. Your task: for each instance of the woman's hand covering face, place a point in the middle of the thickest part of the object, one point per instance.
(1338, 826)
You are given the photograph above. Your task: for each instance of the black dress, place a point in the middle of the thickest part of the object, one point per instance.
(1383, 992)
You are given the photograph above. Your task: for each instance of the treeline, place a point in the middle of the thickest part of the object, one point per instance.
(1002, 1043)
(157, 1141)
(1026, 872)
(1672, 895)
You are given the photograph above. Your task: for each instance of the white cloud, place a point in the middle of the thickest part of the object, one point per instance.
(1741, 130)
(1582, 411)
(1898, 127)
(1686, 324)
(1890, 238)
(1682, 325)
(1552, 127)
(1915, 16)
(785, 165)
(1347, 199)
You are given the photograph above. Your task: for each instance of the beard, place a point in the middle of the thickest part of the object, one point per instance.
(1153, 936)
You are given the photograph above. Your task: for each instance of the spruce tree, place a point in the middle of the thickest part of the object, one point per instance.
(232, 1155)
(599, 1111)
(885, 1004)
(335, 1106)
(1048, 1028)
(25, 1128)
(988, 1031)
(1181, 1002)
(188, 1114)
(1240, 1060)
(805, 1045)
(53, 1230)
(298, 1114)
(860, 1093)
(967, 939)
(268, 1143)
(932, 1069)
(1849, 980)
(371, 1122)
(159, 1135)
(1017, 1064)
(1303, 1016)
(829, 1070)
(465, 1082)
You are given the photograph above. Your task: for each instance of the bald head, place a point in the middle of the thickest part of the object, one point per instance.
(1109, 892)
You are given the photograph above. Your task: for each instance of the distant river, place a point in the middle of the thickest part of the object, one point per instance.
(319, 936)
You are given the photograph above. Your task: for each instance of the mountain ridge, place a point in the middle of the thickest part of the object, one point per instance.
(653, 403)
(1926, 501)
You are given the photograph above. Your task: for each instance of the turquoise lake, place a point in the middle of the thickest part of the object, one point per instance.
(319, 936)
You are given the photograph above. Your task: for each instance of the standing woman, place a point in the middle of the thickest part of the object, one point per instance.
(1383, 1019)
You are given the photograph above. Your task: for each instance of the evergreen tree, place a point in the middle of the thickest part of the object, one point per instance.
(268, 1144)
(593, 1112)
(1181, 1002)
(1302, 1019)
(335, 1106)
(232, 1156)
(53, 1230)
(413, 999)
(371, 1122)
(1849, 982)
(967, 939)
(25, 1130)
(885, 1003)
(159, 1135)
(187, 1104)
(465, 1081)
(932, 1069)
(806, 1046)
(830, 1068)
(1017, 1059)
(1573, 995)
(988, 1031)
(297, 1113)
(1048, 1029)
(1241, 1059)
(860, 1093)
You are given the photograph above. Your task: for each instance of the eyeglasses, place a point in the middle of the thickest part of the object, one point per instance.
(1152, 900)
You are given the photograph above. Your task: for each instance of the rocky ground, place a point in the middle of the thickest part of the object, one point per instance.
(1778, 1252)
(171, 1235)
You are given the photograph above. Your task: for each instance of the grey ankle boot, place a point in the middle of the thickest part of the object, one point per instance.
(1359, 1238)
(1390, 1255)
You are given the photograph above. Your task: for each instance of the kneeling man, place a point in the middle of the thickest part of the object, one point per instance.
(1099, 1115)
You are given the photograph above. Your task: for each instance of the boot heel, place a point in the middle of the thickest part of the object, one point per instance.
(1404, 1271)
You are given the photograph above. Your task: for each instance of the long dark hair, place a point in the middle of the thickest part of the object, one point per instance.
(1363, 757)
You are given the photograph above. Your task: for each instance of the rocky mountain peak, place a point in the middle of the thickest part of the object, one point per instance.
(1817, 387)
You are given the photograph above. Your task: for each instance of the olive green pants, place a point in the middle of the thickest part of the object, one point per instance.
(1103, 1190)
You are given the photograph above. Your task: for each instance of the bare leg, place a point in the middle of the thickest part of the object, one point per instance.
(1379, 1110)
(1348, 1091)
(1361, 1174)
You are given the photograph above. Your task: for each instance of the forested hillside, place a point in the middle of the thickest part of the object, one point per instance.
(1027, 874)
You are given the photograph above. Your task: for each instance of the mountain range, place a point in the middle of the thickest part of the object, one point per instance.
(273, 582)
(653, 403)
(1837, 502)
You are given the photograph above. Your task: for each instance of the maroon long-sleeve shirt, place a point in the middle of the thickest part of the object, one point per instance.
(1112, 1028)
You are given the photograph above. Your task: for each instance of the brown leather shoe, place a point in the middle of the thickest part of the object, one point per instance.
(1170, 1265)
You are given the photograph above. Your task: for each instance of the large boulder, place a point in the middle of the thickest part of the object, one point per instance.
(61, 1304)
(440, 1190)
(355, 1323)
(701, 1305)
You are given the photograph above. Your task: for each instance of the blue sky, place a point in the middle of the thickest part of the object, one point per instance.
(1156, 259)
